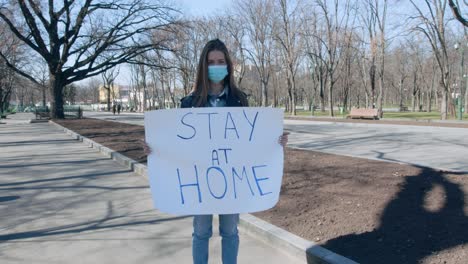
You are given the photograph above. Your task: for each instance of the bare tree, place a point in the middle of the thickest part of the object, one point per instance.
(237, 31)
(336, 22)
(433, 25)
(42, 77)
(456, 12)
(186, 55)
(363, 74)
(259, 27)
(108, 78)
(7, 81)
(12, 49)
(314, 49)
(350, 57)
(290, 41)
(380, 13)
(89, 91)
(83, 39)
(369, 19)
(402, 69)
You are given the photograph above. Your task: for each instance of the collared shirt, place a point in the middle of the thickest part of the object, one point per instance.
(218, 100)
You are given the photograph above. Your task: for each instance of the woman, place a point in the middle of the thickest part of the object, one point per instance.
(215, 87)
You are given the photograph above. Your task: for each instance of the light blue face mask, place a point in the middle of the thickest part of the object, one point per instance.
(216, 73)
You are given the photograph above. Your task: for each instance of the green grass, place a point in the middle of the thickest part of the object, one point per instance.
(419, 115)
(412, 115)
(316, 113)
(396, 115)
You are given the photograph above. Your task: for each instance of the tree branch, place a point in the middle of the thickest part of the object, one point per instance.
(15, 69)
(456, 13)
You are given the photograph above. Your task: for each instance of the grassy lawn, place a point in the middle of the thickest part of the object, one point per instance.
(399, 115)
(420, 115)
(413, 115)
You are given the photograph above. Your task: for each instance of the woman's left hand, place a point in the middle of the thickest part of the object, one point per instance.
(283, 139)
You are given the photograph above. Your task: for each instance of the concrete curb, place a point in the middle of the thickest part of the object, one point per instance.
(294, 245)
(249, 224)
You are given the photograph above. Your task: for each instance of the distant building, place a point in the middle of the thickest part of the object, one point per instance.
(114, 93)
(118, 93)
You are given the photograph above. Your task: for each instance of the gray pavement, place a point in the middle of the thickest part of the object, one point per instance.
(18, 118)
(436, 147)
(63, 202)
(124, 117)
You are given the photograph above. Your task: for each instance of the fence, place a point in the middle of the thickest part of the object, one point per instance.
(70, 112)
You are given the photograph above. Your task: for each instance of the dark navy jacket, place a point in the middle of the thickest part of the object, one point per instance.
(191, 99)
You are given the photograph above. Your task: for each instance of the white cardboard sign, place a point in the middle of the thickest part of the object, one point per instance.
(215, 160)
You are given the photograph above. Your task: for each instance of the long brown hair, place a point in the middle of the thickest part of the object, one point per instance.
(202, 83)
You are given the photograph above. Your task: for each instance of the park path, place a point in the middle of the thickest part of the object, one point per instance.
(428, 146)
(63, 202)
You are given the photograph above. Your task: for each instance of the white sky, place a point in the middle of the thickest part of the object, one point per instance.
(202, 7)
(198, 8)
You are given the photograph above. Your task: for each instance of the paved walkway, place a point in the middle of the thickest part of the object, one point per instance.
(436, 147)
(62, 202)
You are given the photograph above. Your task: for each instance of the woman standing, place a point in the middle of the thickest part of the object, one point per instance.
(215, 87)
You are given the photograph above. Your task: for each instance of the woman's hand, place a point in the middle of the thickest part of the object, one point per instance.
(146, 149)
(283, 139)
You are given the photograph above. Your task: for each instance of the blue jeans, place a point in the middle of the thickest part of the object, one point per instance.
(203, 230)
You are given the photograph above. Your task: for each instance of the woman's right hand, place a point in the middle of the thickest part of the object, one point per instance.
(146, 149)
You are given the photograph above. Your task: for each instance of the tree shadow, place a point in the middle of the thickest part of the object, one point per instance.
(55, 163)
(408, 232)
(9, 198)
(110, 221)
(36, 142)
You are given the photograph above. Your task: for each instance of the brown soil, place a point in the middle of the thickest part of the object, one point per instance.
(370, 211)
(123, 138)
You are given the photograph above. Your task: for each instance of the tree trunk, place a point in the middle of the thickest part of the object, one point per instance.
(322, 94)
(293, 100)
(380, 97)
(372, 82)
(400, 86)
(429, 101)
(330, 93)
(56, 95)
(289, 109)
(108, 98)
(420, 101)
(291, 90)
(275, 96)
(443, 104)
(264, 93)
(466, 95)
(1, 101)
(163, 104)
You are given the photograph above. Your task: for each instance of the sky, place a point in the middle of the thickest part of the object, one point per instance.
(196, 8)
(202, 7)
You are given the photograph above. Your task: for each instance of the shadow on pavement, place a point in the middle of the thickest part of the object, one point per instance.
(108, 222)
(9, 198)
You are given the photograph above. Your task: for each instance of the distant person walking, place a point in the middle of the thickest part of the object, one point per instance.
(113, 108)
(119, 107)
